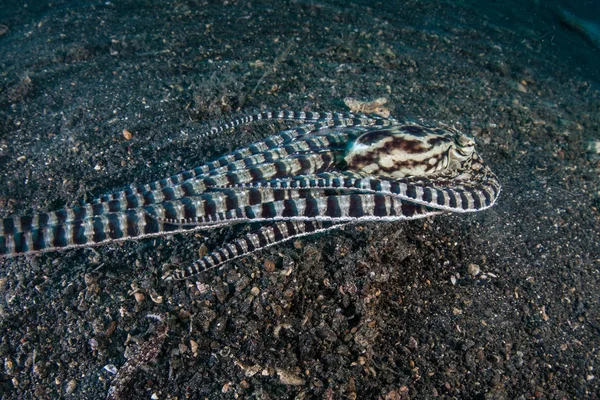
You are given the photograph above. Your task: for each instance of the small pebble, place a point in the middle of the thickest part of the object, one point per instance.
(594, 147)
(376, 106)
(182, 348)
(9, 366)
(155, 297)
(225, 387)
(473, 269)
(194, 347)
(71, 386)
(269, 266)
(289, 378)
(127, 135)
(110, 368)
(412, 343)
(93, 344)
(251, 371)
(139, 297)
(521, 88)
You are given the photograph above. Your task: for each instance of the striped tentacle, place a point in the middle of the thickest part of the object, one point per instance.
(250, 204)
(297, 154)
(144, 222)
(87, 232)
(136, 223)
(233, 206)
(109, 227)
(266, 236)
(202, 187)
(295, 158)
(280, 115)
(325, 121)
(375, 207)
(335, 207)
(476, 194)
(226, 205)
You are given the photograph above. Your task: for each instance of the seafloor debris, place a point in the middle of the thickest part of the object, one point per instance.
(144, 355)
(376, 106)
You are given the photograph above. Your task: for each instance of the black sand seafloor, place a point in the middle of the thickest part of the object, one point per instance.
(501, 304)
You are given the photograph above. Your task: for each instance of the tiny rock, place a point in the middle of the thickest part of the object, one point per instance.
(594, 147)
(289, 378)
(194, 347)
(155, 297)
(412, 343)
(225, 387)
(473, 269)
(139, 297)
(376, 106)
(269, 265)
(71, 386)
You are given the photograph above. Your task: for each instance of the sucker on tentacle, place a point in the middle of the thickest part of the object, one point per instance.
(332, 170)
